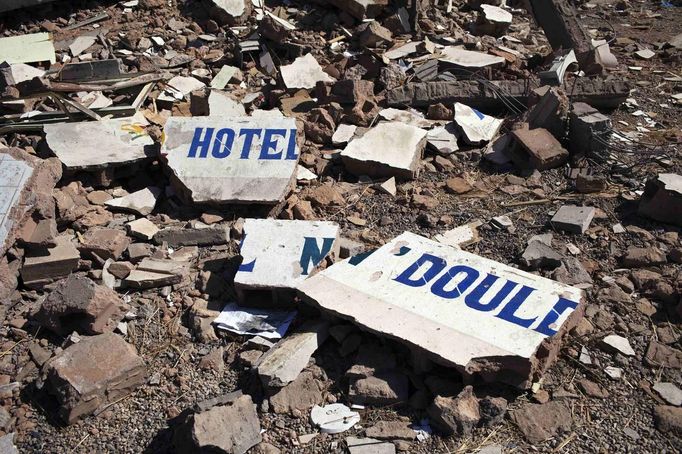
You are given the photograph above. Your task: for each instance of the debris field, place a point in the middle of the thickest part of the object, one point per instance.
(353, 226)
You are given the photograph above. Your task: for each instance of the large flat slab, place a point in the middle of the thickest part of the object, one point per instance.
(481, 316)
(14, 174)
(235, 160)
(278, 254)
(29, 48)
(99, 144)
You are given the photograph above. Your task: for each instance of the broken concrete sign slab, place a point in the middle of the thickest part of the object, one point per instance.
(278, 254)
(237, 160)
(14, 176)
(304, 72)
(506, 324)
(475, 126)
(100, 144)
(388, 149)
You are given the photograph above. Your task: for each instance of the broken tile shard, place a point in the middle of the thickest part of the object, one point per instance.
(388, 149)
(235, 160)
(507, 324)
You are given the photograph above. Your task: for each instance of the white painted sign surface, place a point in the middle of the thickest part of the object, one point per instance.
(96, 144)
(13, 177)
(454, 304)
(232, 159)
(279, 253)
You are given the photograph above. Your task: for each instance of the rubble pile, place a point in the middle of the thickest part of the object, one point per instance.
(362, 226)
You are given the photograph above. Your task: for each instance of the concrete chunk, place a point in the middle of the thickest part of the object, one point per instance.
(662, 199)
(388, 149)
(405, 290)
(47, 265)
(232, 160)
(142, 228)
(141, 202)
(230, 427)
(278, 254)
(360, 9)
(573, 218)
(100, 144)
(369, 446)
(283, 362)
(93, 373)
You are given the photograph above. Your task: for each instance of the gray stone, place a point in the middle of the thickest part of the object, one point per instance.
(573, 218)
(669, 392)
(7, 444)
(662, 199)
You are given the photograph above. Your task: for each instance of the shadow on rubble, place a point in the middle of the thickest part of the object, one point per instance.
(51, 11)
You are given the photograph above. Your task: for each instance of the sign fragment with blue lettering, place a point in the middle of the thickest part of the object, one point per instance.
(483, 317)
(278, 254)
(232, 159)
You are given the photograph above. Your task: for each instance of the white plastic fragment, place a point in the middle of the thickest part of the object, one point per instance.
(334, 418)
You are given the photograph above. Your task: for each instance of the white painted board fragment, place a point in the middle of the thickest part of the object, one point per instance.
(278, 254)
(232, 159)
(29, 48)
(464, 310)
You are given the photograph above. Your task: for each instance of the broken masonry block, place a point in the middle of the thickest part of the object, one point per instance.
(536, 149)
(573, 218)
(104, 243)
(662, 199)
(78, 304)
(479, 316)
(226, 424)
(589, 131)
(93, 373)
(278, 254)
(388, 149)
(205, 236)
(232, 160)
(41, 267)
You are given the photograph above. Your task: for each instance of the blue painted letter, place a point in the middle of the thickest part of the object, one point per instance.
(438, 287)
(222, 145)
(508, 312)
(311, 253)
(473, 299)
(437, 265)
(200, 144)
(271, 144)
(545, 326)
(248, 134)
